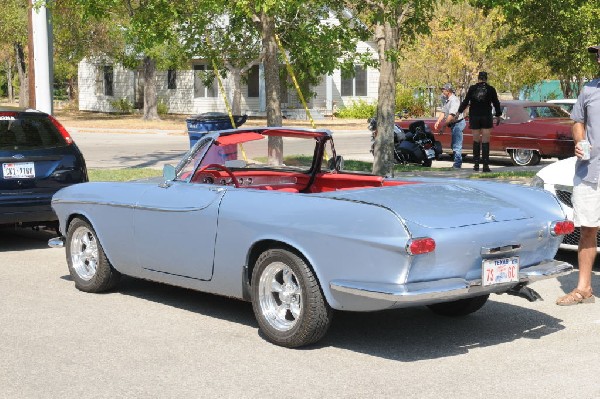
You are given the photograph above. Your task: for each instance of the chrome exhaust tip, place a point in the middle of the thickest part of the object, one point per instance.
(56, 242)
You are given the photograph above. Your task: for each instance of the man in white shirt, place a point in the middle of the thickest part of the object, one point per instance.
(455, 121)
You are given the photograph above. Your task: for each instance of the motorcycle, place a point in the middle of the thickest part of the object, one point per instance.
(415, 145)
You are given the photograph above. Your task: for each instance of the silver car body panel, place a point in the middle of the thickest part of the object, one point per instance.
(199, 236)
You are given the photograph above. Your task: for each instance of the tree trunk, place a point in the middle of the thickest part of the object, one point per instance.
(150, 97)
(236, 80)
(271, 65)
(73, 89)
(23, 78)
(387, 40)
(9, 85)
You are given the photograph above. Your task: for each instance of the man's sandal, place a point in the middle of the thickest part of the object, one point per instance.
(576, 297)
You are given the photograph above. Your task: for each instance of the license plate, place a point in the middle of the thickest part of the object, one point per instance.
(430, 153)
(502, 270)
(19, 170)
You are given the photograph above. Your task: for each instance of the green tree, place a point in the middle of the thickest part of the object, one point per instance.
(13, 31)
(149, 32)
(393, 24)
(462, 41)
(556, 32)
(76, 37)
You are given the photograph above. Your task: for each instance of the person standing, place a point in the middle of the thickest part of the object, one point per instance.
(480, 98)
(586, 190)
(454, 120)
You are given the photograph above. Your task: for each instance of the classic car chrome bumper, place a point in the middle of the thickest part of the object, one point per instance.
(434, 291)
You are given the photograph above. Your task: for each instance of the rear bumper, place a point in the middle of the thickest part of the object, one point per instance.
(424, 293)
(36, 216)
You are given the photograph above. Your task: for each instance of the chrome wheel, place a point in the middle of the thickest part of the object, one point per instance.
(84, 253)
(522, 157)
(287, 300)
(280, 296)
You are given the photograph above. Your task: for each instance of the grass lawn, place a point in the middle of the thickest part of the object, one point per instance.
(127, 174)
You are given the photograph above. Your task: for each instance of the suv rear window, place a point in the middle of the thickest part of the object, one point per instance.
(23, 131)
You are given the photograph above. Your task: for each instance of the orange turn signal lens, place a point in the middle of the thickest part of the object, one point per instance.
(418, 246)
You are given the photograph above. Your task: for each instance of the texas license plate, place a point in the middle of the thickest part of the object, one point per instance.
(19, 170)
(502, 270)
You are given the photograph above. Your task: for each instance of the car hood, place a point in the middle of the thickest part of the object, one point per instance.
(438, 205)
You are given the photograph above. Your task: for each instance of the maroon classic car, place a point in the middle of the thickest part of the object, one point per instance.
(528, 131)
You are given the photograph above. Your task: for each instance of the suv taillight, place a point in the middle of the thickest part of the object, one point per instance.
(62, 130)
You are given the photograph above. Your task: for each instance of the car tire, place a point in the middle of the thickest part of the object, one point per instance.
(287, 300)
(459, 308)
(88, 265)
(520, 157)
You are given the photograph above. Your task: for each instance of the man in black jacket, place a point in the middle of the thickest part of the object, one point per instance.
(480, 98)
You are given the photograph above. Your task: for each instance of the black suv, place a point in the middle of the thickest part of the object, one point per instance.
(37, 158)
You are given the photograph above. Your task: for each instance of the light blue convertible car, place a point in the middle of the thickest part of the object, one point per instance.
(269, 215)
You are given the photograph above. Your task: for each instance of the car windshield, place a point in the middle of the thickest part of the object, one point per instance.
(20, 131)
(257, 149)
(544, 111)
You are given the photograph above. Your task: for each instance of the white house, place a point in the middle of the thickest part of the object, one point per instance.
(102, 82)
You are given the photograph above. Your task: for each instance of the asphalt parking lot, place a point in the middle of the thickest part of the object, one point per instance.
(148, 340)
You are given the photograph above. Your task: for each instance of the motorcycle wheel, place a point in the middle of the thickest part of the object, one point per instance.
(427, 163)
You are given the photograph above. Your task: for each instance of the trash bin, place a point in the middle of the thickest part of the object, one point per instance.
(199, 125)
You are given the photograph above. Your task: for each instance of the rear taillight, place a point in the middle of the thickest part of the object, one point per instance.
(562, 228)
(6, 114)
(62, 130)
(418, 246)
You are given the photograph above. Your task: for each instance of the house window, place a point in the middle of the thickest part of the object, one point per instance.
(357, 84)
(171, 79)
(200, 89)
(253, 81)
(108, 80)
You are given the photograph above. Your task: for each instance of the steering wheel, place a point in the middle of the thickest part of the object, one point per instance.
(224, 169)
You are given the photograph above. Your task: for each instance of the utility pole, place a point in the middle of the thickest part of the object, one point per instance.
(40, 59)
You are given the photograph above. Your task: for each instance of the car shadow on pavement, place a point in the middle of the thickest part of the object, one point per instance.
(402, 334)
(22, 239)
(210, 305)
(413, 334)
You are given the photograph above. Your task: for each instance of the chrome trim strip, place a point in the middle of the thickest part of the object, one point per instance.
(56, 242)
(130, 206)
(447, 289)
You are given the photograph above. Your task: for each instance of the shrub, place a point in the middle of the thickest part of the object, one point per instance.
(161, 107)
(123, 105)
(359, 109)
(416, 105)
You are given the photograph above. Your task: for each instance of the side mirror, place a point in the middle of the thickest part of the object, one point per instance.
(169, 172)
(336, 163)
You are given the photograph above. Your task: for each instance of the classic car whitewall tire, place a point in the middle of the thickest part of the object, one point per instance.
(88, 265)
(287, 300)
(462, 307)
(521, 157)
